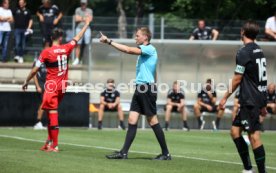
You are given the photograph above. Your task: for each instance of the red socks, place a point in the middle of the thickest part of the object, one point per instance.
(53, 128)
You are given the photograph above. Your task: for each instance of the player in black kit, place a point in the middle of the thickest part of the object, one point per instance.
(176, 103)
(251, 76)
(206, 102)
(110, 101)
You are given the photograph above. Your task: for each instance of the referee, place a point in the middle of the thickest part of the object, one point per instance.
(251, 76)
(145, 96)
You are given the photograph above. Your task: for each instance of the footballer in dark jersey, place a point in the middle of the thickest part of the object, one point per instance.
(110, 101)
(206, 102)
(176, 103)
(251, 76)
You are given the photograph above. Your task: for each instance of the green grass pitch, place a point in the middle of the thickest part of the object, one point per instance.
(83, 150)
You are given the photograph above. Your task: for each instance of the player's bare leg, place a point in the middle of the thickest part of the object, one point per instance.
(258, 150)
(242, 147)
(121, 116)
(197, 113)
(272, 106)
(77, 60)
(100, 116)
(38, 125)
(234, 112)
(183, 115)
(220, 114)
(168, 115)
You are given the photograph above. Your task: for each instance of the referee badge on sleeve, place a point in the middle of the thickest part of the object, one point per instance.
(240, 69)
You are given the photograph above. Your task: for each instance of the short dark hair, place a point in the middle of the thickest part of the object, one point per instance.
(251, 29)
(56, 33)
(209, 81)
(110, 81)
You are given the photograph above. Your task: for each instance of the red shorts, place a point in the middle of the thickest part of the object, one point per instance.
(51, 100)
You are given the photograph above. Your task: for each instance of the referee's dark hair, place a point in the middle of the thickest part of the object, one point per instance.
(56, 33)
(145, 31)
(251, 29)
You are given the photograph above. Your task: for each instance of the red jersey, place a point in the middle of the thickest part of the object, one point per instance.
(56, 60)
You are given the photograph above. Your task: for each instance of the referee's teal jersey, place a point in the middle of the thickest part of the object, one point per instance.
(146, 65)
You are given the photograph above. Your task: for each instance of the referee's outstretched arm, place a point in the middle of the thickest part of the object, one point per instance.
(120, 47)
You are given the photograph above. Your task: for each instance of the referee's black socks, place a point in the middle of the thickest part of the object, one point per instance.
(161, 138)
(259, 154)
(243, 152)
(131, 133)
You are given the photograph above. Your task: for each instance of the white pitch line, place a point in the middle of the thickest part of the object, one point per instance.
(132, 151)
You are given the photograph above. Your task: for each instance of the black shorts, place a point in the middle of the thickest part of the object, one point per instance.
(144, 100)
(248, 119)
(269, 110)
(204, 109)
(110, 110)
(174, 108)
(46, 30)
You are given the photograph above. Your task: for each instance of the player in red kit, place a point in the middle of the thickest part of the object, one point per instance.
(56, 60)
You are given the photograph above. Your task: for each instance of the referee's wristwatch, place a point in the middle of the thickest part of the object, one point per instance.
(110, 41)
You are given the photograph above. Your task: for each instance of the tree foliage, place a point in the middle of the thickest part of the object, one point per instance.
(191, 9)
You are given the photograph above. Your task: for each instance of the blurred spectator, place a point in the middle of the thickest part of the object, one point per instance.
(49, 17)
(271, 99)
(207, 103)
(176, 103)
(80, 14)
(5, 27)
(203, 32)
(40, 79)
(110, 102)
(236, 106)
(22, 27)
(270, 28)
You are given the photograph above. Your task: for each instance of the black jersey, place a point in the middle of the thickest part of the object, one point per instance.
(110, 95)
(251, 63)
(41, 74)
(205, 97)
(271, 97)
(50, 14)
(203, 34)
(176, 96)
(22, 18)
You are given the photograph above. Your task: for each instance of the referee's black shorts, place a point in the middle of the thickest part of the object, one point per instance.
(248, 119)
(144, 100)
